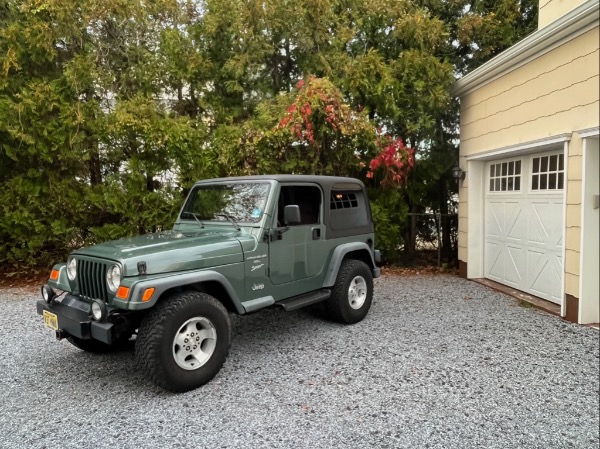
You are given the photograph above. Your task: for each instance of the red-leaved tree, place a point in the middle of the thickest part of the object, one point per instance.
(319, 133)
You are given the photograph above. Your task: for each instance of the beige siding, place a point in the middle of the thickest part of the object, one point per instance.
(575, 166)
(574, 191)
(573, 222)
(553, 94)
(573, 237)
(462, 252)
(571, 283)
(572, 267)
(551, 10)
(573, 216)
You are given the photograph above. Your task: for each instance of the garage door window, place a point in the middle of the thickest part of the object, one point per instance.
(547, 172)
(505, 176)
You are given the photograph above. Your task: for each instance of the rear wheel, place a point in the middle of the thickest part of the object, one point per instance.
(352, 293)
(184, 340)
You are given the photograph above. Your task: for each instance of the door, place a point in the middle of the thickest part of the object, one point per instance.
(294, 250)
(524, 224)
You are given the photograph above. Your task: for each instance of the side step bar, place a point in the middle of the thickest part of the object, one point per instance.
(297, 302)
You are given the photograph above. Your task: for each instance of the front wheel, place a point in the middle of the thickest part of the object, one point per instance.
(352, 293)
(184, 341)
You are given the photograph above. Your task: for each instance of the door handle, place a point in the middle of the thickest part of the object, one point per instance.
(316, 233)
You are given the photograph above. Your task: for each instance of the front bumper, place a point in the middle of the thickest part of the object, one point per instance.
(74, 319)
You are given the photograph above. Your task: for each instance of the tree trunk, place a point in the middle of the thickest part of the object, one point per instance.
(91, 145)
(410, 237)
(94, 165)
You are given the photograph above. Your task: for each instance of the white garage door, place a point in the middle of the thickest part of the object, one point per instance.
(523, 223)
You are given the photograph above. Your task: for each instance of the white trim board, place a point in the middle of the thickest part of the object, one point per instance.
(563, 281)
(589, 233)
(573, 24)
(590, 132)
(522, 148)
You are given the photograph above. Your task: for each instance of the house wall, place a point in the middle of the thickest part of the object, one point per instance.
(556, 93)
(551, 10)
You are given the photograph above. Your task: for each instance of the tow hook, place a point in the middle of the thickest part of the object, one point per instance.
(60, 334)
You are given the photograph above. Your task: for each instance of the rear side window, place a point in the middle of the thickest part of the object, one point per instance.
(343, 200)
(348, 209)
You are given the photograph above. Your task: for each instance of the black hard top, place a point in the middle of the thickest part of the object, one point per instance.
(356, 220)
(327, 182)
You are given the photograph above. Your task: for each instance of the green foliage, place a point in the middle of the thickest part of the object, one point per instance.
(110, 110)
(389, 210)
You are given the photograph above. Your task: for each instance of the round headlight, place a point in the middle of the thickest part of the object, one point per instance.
(98, 310)
(72, 269)
(113, 277)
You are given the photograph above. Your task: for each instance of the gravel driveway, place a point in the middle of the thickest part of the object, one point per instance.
(438, 362)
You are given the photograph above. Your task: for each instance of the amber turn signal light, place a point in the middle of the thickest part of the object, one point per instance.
(123, 292)
(148, 294)
(54, 275)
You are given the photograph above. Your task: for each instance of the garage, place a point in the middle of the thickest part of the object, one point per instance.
(523, 225)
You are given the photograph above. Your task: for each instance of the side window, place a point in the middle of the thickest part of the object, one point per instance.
(307, 198)
(348, 209)
(547, 172)
(343, 200)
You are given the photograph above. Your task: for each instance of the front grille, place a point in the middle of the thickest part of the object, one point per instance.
(92, 279)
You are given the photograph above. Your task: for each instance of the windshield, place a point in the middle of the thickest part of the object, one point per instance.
(241, 202)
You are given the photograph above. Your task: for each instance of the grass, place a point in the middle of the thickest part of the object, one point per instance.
(525, 304)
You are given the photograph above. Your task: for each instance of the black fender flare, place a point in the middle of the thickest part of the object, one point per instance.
(338, 255)
(165, 283)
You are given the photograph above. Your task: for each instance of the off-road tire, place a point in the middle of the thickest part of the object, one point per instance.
(154, 349)
(340, 305)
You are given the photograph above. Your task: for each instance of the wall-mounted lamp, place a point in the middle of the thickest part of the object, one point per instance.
(458, 173)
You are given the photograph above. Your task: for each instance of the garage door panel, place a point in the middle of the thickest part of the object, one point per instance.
(536, 263)
(544, 276)
(517, 222)
(505, 264)
(494, 219)
(523, 230)
(537, 233)
(559, 269)
(494, 255)
(506, 220)
(514, 266)
(545, 229)
(556, 239)
(559, 242)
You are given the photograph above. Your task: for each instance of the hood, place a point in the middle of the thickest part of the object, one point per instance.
(171, 251)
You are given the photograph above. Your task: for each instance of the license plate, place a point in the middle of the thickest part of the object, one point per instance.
(50, 320)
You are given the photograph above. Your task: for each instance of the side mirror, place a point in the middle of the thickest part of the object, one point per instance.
(291, 215)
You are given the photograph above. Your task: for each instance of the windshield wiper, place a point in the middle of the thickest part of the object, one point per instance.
(231, 220)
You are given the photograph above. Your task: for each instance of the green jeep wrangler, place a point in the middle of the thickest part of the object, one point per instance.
(239, 245)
